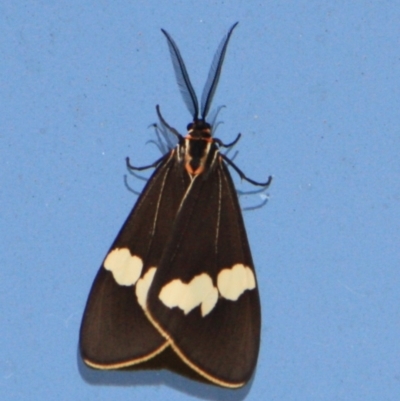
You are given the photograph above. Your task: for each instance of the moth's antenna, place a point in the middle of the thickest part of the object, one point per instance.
(214, 74)
(185, 86)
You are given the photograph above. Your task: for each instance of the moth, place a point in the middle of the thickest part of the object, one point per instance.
(179, 278)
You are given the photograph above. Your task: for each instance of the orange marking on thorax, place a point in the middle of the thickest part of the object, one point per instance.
(199, 139)
(189, 169)
(208, 139)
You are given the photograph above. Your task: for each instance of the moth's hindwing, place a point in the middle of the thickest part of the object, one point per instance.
(204, 297)
(115, 332)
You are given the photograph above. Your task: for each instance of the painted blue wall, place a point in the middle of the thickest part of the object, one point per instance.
(313, 86)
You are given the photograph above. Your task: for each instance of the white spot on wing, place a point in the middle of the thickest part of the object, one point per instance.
(209, 301)
(232, 283)
(200, 291)
(126, 269)
(172, 292)
(143, 286)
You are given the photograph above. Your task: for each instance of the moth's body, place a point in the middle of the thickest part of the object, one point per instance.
(180, 272)
(195, 152)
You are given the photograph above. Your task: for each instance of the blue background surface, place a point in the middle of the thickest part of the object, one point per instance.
(314, 88)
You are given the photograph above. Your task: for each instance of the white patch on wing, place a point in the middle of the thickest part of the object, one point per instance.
(200, 291)
(209, 301)
(126, 269)
(143, 286)
(233, 282)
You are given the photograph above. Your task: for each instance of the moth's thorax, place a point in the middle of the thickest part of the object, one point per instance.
(197, 147)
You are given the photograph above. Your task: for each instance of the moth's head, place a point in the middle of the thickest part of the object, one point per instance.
(199, 129)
